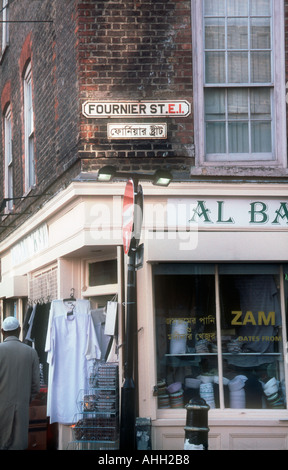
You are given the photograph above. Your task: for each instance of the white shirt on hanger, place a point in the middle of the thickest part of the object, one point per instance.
(71, 342)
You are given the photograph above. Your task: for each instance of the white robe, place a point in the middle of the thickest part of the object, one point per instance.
(71, 343)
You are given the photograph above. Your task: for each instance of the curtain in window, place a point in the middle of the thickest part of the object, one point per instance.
(238, 52)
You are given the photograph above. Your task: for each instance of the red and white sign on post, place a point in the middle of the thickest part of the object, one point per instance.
(128, 215)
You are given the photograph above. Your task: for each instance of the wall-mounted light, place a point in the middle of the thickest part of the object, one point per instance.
(159, 178)
(162, 178)
(106, 173)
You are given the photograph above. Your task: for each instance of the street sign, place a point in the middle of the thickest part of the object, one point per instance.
(130, 131)
(138, 215)
(124, 109)
(128, 215)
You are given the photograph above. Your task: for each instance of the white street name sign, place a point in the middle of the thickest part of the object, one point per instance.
(118, 109)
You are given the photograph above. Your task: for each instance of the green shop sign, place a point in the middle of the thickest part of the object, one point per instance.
(232, 212)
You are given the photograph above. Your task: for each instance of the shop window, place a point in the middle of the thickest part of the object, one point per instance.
(251, 333)
(103, 273)
(10, 308)
(219, 336)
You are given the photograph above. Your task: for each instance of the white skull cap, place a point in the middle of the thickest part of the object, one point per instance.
(10, 324)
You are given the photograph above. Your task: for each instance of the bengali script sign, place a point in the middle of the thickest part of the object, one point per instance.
(137, 131)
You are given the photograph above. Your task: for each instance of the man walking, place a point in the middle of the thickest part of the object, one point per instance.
(19, 383)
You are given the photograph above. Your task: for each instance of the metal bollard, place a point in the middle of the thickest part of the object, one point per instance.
(196, 429)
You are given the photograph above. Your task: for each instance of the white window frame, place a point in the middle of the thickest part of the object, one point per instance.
(8, 158)
(100, 290)
(279, 157)
(5, 24)
(30, 177)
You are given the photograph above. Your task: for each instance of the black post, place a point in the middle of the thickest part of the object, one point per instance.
(196, 429)
(128, 392)
(128, 400)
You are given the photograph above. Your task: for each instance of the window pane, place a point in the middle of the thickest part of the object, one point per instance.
(10, 185)
(260, 33)
(214, 33)
(260, 103)
(214, 104)
(30, 108)
(214, 7)
(237, 8)
(8, 138)
(260, 67)
(186, 339)
(261, 137)
(237, 104)
(103, 273)
(285, 273)
(238, 137)
(215, 67)
(237, 33)
(238, 67)
(215, 137)
(31, 161)
(252, 340)
(260, 7)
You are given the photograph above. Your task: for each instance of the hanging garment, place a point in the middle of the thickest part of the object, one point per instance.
(99, 319)
(25, 325)
(38, 334)
(30, 324)
(60, 307)
(71, 342)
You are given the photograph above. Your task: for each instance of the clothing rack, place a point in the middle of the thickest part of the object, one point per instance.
(48, 298)
(40, 301)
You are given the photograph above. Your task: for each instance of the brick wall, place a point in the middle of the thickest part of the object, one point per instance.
(48, 38)
(23, 38)
(100, 50)
(135, 50)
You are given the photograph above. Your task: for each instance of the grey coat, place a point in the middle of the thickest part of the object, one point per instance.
(19, 382)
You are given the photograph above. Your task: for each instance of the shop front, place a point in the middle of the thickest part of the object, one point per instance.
(211, 298)
(62, 276)
(212, 315)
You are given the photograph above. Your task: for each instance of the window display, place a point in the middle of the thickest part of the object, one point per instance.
(219, 335)
(251, 335)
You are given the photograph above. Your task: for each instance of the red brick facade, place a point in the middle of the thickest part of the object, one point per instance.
(135, 51)
(98, 50)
